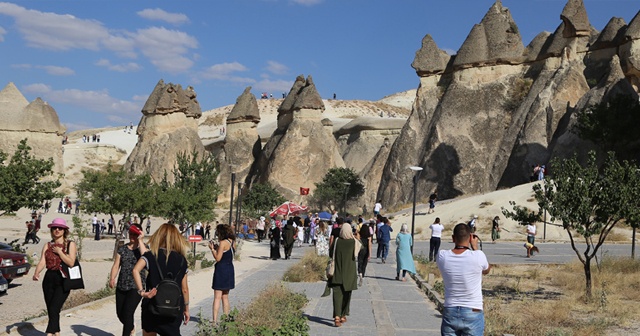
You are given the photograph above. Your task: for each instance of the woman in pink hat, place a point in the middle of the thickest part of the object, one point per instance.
(54, 253)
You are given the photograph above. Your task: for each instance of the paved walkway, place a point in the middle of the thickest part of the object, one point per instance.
(382, 306)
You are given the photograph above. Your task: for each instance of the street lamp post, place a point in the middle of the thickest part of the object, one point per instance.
(238, 206)
(416, 176)
(233, 183)
(344, 204)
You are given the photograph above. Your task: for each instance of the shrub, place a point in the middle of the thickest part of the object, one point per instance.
(275, 311)
(517, 94)
(310, 268)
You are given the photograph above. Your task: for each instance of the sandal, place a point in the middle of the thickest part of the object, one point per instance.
(337, 322)
(343, 319)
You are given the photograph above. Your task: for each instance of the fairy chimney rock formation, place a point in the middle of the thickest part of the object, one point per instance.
(37, 121)
(575, 19)
(429, 58)
(612, 35)
(242, 145)
(168, 127)
(301, 151)
(495, 40)
(630, 52)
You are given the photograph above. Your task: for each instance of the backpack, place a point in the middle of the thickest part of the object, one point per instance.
(167, 302)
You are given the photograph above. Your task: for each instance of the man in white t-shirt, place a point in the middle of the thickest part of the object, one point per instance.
(462, 269)
(531, 233)
(376, 208)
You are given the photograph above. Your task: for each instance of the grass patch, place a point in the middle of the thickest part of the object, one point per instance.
(80, 297)
(310, 268)
(615, 236)
(275, 311)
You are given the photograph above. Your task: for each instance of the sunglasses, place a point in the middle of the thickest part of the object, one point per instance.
(57, 228)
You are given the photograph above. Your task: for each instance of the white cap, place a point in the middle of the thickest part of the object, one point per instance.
(475, 216)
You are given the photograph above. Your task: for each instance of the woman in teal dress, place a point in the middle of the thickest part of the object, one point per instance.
(404, 258)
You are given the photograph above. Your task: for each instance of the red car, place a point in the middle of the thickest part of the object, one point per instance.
(12, 264)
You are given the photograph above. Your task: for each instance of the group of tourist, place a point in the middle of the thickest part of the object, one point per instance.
(137, 272)
(91, 138)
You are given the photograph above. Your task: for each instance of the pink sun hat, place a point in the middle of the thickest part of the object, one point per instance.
(58, 222)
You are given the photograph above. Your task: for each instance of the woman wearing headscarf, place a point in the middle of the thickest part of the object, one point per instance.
(403, 254)
(274, 235)
(127, 299)
(59, 250)
(365, 252)
(344, 277)
(167, 254)
(289, 233)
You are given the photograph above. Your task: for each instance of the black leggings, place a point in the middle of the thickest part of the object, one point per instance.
(126, 304)
(363, 259)
(434, 246)
(54, 298)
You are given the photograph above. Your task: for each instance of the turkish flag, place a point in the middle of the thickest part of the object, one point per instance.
(304, 191)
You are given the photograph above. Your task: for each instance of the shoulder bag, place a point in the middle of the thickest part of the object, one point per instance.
(71, 276)
(331, 265)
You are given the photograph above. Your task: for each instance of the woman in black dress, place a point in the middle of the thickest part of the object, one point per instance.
(275, 241)
(169, 249)
(224, 274)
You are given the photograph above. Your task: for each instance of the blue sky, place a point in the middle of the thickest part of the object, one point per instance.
(96, 61)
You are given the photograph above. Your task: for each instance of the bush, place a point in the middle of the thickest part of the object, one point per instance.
(191, 260)
(310, 268)
(275, 311)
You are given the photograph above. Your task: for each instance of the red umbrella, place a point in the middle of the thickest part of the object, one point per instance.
(288, 208)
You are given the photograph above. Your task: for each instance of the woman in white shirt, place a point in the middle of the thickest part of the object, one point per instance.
(436, 235)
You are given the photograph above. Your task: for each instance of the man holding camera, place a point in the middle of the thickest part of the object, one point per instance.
(462, 268)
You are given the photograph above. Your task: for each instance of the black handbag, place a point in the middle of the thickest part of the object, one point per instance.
(72, 276)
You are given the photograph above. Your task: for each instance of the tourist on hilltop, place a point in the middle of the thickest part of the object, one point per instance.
(322, 239)
(404, 257)
(274, 236)
(495, 229)
(59, 250)
(127, 297)
(384, 235)
(224, 274)
(364, 255)
(166, 258)
(436, 237)
(344, 251)
(462, 268)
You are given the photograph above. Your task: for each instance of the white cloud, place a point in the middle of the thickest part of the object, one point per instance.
(277, 68)
(57, 70)
(161, 15)
(21, 66)
(55, 31)
(123, 67)
(2, 33)
(96, 101)
(306, 2)
(166, 48)
(225, 71)
(268, 85)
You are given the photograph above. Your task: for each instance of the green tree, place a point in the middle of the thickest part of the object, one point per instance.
(25, 182)
(588, 201)
(192, 195)
(261, 198)
(338, 187)
(612, 126)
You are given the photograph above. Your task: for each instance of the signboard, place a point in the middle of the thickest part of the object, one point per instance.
(195, 238)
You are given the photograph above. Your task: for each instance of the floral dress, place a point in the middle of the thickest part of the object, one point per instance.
(322, 243)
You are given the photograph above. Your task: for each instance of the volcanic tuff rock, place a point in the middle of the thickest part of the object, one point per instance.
(576, 21)
(37, 121)
(430, 59)
(300, 152)
(241, 147)
(168, 127)
(494, 40)
(483, 121)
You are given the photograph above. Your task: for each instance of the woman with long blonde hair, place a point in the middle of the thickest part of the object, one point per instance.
(167, 255)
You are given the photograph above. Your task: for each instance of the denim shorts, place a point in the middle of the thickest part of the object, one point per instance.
(461, 321)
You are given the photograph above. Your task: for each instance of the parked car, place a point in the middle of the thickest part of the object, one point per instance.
(13, 264)
(4, 285)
